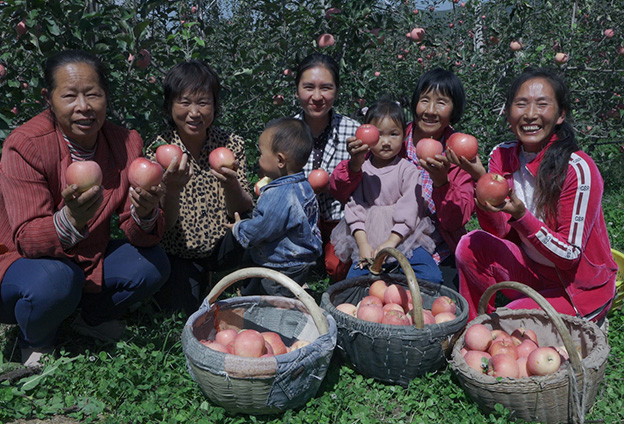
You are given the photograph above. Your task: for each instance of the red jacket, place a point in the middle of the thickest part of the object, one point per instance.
(579, 245)
(34, 160)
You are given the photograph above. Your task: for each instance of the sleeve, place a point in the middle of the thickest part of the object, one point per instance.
(578, 210)
(356, 209)
(267, 224)
(455, 201)
(28, 199)
(410, 208)
(343, 182)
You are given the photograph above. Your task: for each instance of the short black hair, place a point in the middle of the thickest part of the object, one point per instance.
(315, 60)
(66, 57)
(386, 107)
(446, 83)
(292, 137)
(191, 76)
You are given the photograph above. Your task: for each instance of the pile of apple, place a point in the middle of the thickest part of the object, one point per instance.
(516, 355)
(392, 304)
(251, 343)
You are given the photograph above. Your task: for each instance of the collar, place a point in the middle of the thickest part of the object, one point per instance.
(534, 164)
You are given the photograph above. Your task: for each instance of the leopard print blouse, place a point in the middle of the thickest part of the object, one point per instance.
(202, 201)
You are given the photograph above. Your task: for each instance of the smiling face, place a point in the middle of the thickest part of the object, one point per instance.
(390, 141)
(78, 102)
(534, 114)
(193, 113)
(317, 92)
(433, 115)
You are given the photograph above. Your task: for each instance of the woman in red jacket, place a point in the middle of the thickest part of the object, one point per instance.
(549, 233)
(60, 254)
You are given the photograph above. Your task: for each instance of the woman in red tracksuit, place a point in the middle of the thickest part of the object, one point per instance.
(550, 232)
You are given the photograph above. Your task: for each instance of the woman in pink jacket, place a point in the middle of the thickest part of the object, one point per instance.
(58, 252)
(549, 233)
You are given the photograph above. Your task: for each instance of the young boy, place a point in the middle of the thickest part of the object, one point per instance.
(282, 233)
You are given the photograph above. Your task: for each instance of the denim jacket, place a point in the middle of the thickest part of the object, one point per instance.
(283, 230)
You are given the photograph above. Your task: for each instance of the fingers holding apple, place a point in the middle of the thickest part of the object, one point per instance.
(145, 201)
(177, 174)
(80, 207)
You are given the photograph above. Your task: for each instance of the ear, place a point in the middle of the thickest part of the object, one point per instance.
(46, 96)
(281, 160)
(562, 117)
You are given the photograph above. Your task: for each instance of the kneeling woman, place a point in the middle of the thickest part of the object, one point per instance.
(550, 233)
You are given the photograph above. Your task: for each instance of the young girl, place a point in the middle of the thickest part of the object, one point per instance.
(387, 209)
(448, 187)
(550, 233)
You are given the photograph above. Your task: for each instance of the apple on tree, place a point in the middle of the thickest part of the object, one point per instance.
(85, 174)
(326, 40)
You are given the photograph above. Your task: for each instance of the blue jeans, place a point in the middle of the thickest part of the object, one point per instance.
(421, 261)
(38, 294)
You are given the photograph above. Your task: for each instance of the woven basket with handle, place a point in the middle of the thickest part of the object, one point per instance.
(562, 397)
(260, 385)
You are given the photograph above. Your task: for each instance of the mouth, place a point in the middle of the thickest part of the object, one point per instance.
(84, 123)
(530, 129)
(194, 124)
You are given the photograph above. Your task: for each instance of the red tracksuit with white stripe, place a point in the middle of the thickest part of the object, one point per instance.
(570, 264)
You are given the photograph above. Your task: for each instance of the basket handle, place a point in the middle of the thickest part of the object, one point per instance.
(315, 311)
(575, 357)
(412, 282)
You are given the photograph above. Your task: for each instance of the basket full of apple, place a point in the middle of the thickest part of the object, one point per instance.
(542, 365)
(386, 324)
(259, 354)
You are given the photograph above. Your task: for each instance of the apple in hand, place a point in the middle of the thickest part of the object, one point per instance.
(221, 157)
(85, 174)
(144, 173)
(165, 154)
(491, 188)
(543, 361)
(368, 134)
(463, 145)
(428, 147)
(261, 183)
(319, 180)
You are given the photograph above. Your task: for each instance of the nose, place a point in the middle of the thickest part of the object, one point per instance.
(82, 103)
(531, 110)
(194, 110)
(430, 108)
(316, 94)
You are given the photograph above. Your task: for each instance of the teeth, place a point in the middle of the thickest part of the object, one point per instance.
(530, 128)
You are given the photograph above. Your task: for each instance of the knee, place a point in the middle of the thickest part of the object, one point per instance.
(58, 285)
(469, 244)
(156, 269)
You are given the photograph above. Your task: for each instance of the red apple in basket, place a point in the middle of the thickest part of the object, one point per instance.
(144, 173)
(371, 300)
(299, 344)
(319, 180)
(503, 365)
(563, 352)
(226, 337)
(368, 134)
(428, 148)
(165, 154)
(443, 304)
(378, 288)
(478, 337)
(221, 157)
(275, 341)
(491, 188)
(444, 317)
(215, 346)
(477, 360)
(396, 294)
(543, 361)
(503, 346)
(395, 318)
(348, 308)
(85, 174)
(463, 145)
(392, 307)
(523, 372)
(499, 334)
(428, 317)
(249, 343)
(526, 347)
(521, 334)
(371, 313)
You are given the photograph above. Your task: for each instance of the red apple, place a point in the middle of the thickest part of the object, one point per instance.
(491, 188)
(326, 40)
(392, 307)
(275, 341)
(428, 148)
(478, 337)
(477, 360)
(444, 317)
(165, 154)
(3, 71)
(443, 304)
(526, 347)
(371, 313)
(503, 365)
(368, 133)
(371, 300)
(515, 46)
(520, 334)
(500, 335)
(319, 180)
(144, 173)
(563, 352)
(543, 361)
(85, 174)
(215, 346)
(609, 33)
(417, 34)
(287, 72)
(226, 337)
(20, 28)
(278, 99)
(221, 157)
(505, 346)
(522, 367)
(144, 59)
(298, 345)
(348, 308)
(395, 318)
(261, 183)
(561, 58)
(463, 145)
(396, 294)
(268, 350)
(331, 11)
(620, 50)
(249, 344)
(378, 289)
(428, 317)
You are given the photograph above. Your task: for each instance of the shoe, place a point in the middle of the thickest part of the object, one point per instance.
(31, 356)
(109, 331)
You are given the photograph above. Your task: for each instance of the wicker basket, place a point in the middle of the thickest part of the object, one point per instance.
(562, 397)
(260, 385)
(392, 353)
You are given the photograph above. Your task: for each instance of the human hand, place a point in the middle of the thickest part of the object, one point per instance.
(512, 205)
(473, 167)
(357, 149)
(177, 175)
(145, 201)
(227, 177)
(393, 241)
(229, 225)
(437, 167)
(81, 207)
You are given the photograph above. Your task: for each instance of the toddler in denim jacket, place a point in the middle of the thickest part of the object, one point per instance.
(282, 233)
